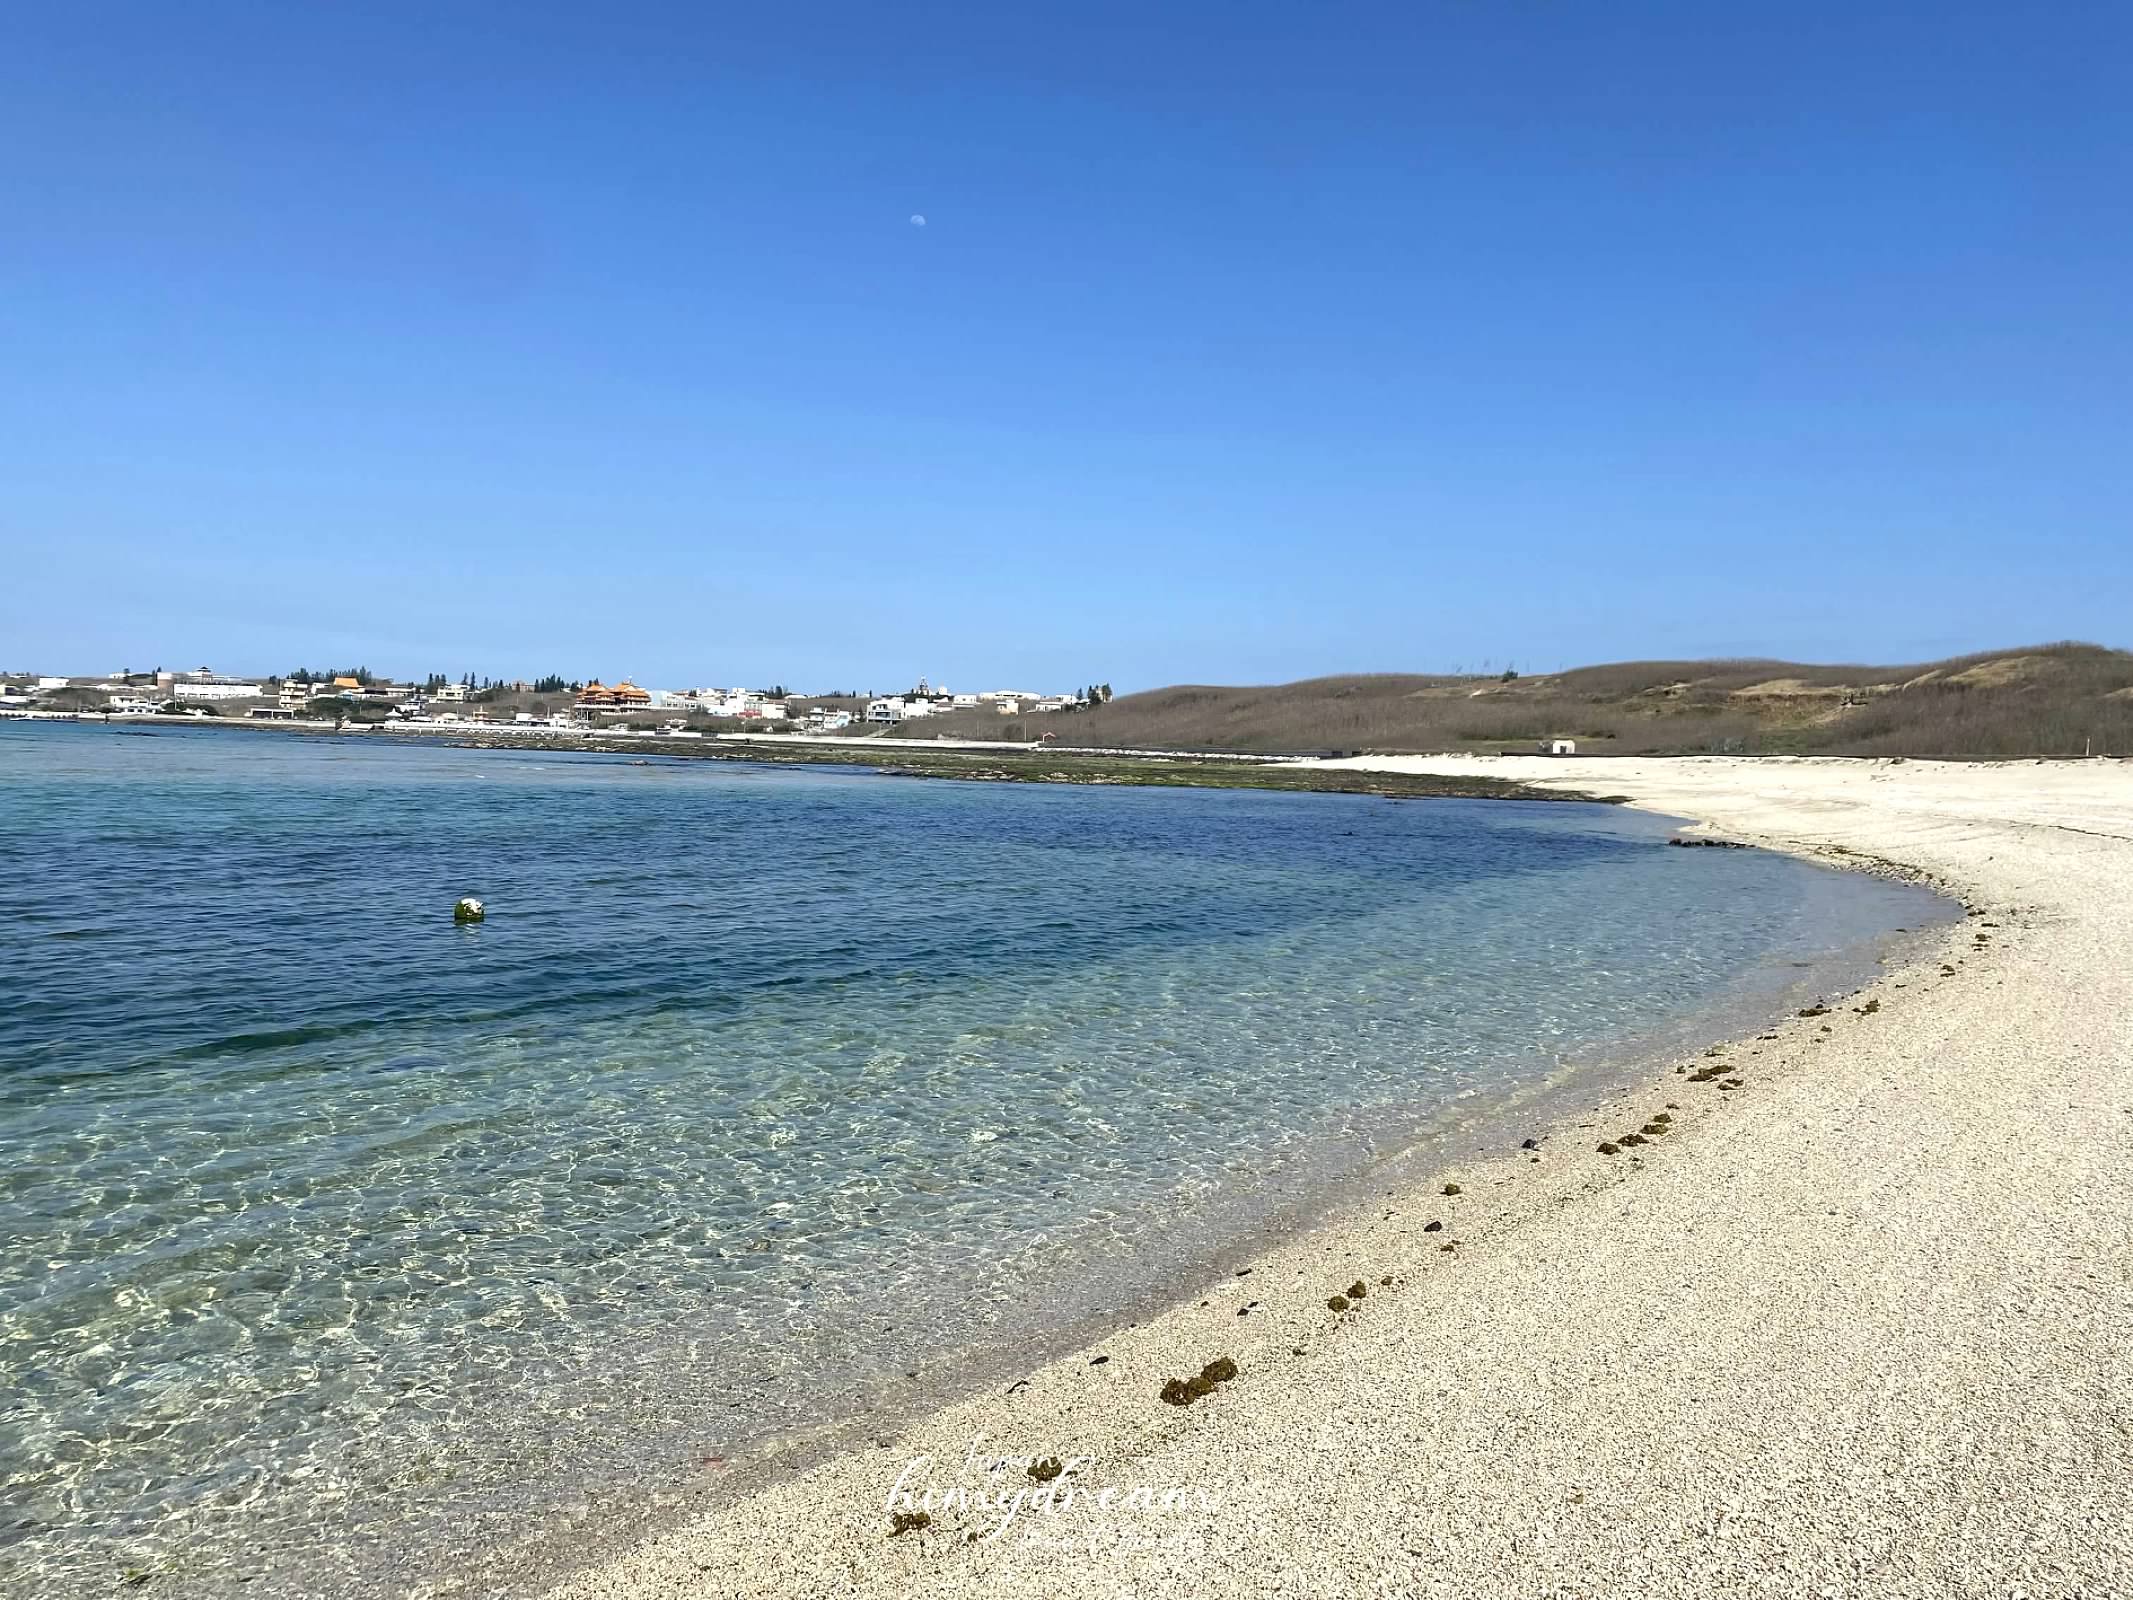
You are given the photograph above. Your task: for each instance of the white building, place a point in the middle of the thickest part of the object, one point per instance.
(452, 693)
(744, 705)
(821, 719)
(1559, 747)
(133, 705)
(215, 687)
(888, 710)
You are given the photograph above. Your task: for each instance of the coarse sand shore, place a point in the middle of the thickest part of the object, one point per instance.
(1859, 1326)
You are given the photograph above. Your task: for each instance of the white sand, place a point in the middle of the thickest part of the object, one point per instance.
(1862, 1327)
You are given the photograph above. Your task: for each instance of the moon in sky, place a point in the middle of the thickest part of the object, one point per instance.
(918, 219)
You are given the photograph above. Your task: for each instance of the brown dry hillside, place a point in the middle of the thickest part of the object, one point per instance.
(2058, 699)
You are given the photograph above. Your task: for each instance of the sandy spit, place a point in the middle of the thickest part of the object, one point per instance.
(1860, 1326)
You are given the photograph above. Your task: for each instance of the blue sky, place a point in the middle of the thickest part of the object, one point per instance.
(1241, 342)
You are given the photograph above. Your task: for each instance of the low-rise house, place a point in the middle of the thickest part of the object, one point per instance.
(453, 693)
(1559, 747)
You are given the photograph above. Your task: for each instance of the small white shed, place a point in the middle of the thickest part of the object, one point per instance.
(1559, 747)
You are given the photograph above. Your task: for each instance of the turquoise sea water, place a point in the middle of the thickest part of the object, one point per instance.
(322, 1218)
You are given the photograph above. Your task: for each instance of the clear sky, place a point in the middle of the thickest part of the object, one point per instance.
(1239, 341)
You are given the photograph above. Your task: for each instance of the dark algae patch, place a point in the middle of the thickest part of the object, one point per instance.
(1007, 765)
(1184, 1391)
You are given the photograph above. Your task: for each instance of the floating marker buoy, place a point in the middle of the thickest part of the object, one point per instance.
(469, 910)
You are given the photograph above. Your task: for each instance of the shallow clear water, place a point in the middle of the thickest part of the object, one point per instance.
(320, 1215)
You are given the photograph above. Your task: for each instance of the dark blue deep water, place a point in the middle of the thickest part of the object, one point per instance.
(318, 1212)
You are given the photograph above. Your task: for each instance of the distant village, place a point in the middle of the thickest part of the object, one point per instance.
(548, 705)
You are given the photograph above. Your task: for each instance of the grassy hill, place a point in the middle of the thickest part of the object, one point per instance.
(2057, 699)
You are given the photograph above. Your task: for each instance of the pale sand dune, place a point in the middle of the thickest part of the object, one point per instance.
(1863, 1327)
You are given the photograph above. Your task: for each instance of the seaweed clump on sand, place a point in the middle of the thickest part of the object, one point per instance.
(1358, 1290)
(1184, 1391)
(909, 1522)
(1046, 1470)
(1609, 1148)
(1452, 1188)
(1336, 1302)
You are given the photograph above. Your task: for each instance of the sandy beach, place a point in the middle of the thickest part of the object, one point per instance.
(1857, 1325)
